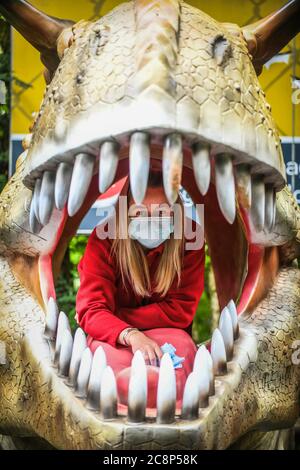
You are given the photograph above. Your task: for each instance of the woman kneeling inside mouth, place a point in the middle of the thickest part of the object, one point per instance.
(141, 290)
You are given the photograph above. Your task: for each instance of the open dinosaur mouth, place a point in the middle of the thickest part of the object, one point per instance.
(238, 200)
(235, 197)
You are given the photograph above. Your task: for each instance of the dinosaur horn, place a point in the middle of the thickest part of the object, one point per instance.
(268, 36)
(41, 30)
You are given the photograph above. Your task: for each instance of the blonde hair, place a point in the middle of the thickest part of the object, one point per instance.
(131, 259)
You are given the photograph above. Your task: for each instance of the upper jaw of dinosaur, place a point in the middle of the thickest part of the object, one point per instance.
(137, 88)
(132, 90)
(188, 85)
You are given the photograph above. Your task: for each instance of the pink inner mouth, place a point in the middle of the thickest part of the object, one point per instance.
(120, 362)
(229, 249)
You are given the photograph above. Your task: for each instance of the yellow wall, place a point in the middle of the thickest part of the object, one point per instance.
(27, 67)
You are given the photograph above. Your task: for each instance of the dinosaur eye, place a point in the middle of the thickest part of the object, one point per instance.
(221, 49)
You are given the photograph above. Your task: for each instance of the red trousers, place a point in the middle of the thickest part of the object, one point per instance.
(120, 357)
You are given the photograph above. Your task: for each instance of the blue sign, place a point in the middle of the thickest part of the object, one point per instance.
(292, 165)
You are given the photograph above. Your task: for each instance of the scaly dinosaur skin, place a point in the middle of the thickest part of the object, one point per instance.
(159, 78)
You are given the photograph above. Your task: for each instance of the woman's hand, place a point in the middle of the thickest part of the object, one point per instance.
(149, 348)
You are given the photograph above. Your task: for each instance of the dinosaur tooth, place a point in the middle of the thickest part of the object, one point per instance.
(226, 329)
(203, 379)
(36, 197)
(98, 365)
(51, 319)
(274, 210)
(34, 224)
(63, 325)
(269, 207)
(225, 186)
(84, 373)
(137, 390)
(65, 353)
(210, 368)
(46, 199)
(62, 184)
(234, 318)
(190, 400)
(80, 182)
(108, 394)
(201, 166)
(79, 345)
(139, 164)
(243, 184)
(218, 353)
(172, 166)
(200, 358)
(108, 164)
(202, 362)
(166, 391)
(258, 202)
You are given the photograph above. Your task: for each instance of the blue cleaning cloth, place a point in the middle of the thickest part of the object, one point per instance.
(169, 348)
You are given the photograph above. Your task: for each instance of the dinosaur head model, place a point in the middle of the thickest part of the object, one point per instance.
(152, 82)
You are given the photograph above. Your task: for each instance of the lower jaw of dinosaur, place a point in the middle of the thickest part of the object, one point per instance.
(217, 370)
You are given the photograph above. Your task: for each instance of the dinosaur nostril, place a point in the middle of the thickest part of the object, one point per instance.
(222, 50)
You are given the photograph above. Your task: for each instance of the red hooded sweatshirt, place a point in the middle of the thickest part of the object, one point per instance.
(105, 306)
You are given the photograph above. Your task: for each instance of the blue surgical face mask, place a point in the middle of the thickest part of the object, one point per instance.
(150, 231)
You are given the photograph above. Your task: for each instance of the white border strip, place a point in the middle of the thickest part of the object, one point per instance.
(284, 139)
(290, 140)
(84, 231)
(18, 136)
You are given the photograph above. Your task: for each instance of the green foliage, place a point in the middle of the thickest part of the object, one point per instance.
(77, 247)
(68, 281)
(68, 284)
(202, 319)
